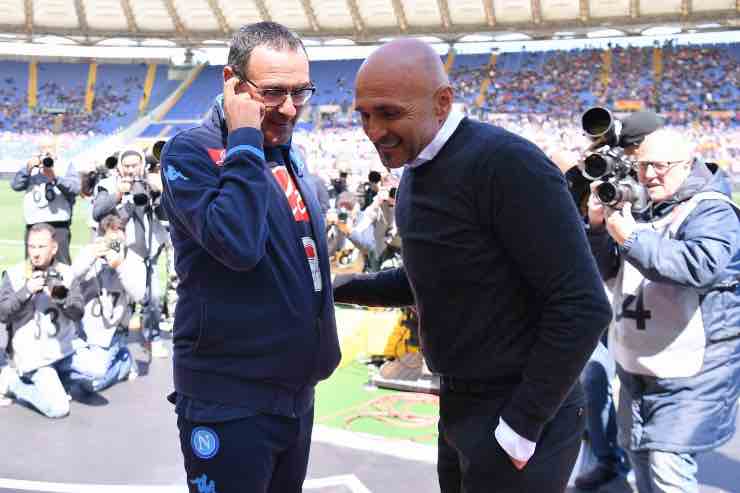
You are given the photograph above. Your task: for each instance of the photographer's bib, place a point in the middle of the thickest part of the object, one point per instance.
(106, 303)
(659, 330)
(37, 208)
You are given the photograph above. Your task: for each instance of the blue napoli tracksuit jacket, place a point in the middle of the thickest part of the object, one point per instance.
(247, 328)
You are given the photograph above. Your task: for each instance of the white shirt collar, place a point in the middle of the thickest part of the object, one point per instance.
(443, 135)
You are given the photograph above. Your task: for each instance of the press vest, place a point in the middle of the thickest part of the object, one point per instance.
(42, 334)
(659, 330)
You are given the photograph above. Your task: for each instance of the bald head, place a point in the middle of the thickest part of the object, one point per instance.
(665, 145)
(47, 144)
(404, 97)
(666, 160)
(409, 62)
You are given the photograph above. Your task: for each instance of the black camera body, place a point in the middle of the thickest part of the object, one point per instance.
(54, 281)
(609, 164)
(140, 191)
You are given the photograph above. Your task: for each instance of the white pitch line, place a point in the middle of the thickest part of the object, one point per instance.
(48, 487)
(349, 480)
(402, 449)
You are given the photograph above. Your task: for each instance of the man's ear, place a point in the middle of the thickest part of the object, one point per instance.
(443, 100)
(54, 248)
(228, 72)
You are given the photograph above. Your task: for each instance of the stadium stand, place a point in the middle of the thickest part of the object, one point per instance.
(518, 83)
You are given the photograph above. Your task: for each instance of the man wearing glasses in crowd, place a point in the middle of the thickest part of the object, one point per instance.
(676, 337)
(254, 325)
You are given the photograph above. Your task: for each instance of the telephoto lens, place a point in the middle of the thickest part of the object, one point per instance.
(47, 161)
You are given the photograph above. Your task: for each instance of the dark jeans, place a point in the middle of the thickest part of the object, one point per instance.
(63, 237)
(257, 454)
(601, 420)
(471, 460)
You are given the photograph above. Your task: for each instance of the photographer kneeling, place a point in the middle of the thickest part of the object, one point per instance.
(676, 337)
(109, 281)
(133, 194)
(42, 304)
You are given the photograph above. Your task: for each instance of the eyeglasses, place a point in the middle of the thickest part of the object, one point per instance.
(276, 96)
(660, 168)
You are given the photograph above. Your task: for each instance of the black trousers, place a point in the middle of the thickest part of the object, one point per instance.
(257, 454)
(471, 460)
(63, 236)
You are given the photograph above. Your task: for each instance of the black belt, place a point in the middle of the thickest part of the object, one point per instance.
(468, 386)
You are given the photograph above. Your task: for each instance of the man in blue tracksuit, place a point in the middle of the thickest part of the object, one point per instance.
(254, 324)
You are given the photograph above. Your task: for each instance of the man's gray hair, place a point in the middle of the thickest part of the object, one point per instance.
(249, 37)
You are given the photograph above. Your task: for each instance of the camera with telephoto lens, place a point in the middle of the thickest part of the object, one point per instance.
(343, 215)
(609, 164)
(54, 281)
(154, 155)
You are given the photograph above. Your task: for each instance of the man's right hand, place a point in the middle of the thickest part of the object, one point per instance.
(99, 248)
(32, 163)
(36, 283)
(240, 109)
(124, 185)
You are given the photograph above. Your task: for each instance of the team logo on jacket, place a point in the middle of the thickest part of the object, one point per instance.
(297, 206)
(204, 442)
(217, 156)
(313, 262)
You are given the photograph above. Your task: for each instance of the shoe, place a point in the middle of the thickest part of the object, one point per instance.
(133, 373)
(159, 350)
(595, 478)
(7, 376)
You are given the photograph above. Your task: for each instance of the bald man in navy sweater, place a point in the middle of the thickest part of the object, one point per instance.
(495, 257)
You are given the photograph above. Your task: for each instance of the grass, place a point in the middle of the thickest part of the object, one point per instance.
(346, 401)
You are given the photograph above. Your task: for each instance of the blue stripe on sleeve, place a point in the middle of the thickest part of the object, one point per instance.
(244, 147)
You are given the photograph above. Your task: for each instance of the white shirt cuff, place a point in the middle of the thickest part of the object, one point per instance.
(513, 443)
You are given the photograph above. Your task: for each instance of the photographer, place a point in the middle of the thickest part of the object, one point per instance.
(43, 306)
(375, 231)
(370, 189)
(340, 222)
(110, 281)
(133, 194)
(50, 188)
(676, 337)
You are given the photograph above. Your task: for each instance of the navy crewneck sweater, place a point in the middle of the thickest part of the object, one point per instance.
(496, 259)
